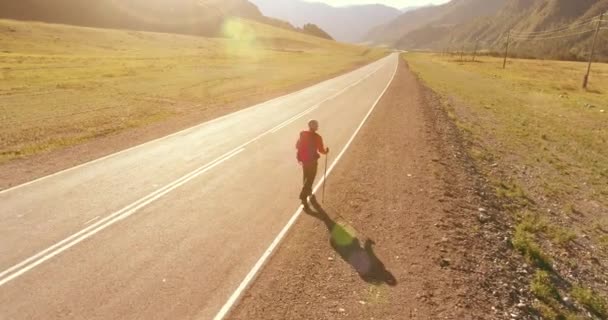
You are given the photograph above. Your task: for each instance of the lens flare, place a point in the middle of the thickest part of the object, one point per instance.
(341, 236)
(242, 38)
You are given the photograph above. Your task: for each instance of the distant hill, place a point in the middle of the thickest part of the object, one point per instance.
(411, 8)
(196, 17)
(193, 17)
(348, 24)
(309, 28)
(314, 30)
(454, 12)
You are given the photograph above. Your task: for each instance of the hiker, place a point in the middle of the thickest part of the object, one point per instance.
(309, 146)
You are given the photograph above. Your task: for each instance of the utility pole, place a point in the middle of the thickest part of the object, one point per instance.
(475, 51)
(504, 64)
(449, 51)
(597, 31)
(462, 54)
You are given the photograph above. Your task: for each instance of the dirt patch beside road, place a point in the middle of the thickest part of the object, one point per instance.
(406, 231)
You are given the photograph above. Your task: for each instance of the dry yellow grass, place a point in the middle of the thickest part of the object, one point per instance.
(542, 141)
(537, 111)
(63, 85)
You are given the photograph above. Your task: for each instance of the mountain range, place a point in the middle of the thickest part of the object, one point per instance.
(485, 23)
(347, 24)
(458, 24)
(451, 13)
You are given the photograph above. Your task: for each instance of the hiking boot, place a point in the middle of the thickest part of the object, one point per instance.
(313, 199)
(306, 206)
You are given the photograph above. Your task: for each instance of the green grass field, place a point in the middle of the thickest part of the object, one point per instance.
(543, 142)
(63, 85)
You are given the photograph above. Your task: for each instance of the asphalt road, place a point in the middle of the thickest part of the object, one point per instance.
(170, 229)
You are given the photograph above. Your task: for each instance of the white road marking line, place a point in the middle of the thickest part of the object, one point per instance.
(236, 295)
(183, 131)
(59, 247)
(294, 118)
(91, 220)
(300, 115)
(78, 237)
(288, 122)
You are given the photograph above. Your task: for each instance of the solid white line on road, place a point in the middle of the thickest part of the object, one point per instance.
(91, 220)
(59, 247)
(236, 295)
(290, 121)
(294, 118)
(78, 237)
(300, 115)
(175, 134)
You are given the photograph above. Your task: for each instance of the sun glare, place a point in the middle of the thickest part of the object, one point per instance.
(242, 38)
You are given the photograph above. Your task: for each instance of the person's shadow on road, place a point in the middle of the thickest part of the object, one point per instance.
(361, 258)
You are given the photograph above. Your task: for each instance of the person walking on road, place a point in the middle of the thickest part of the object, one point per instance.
(309, 145)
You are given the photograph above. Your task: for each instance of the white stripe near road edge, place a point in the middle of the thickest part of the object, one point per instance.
(236, 295)
(33, 261)
(179, 132)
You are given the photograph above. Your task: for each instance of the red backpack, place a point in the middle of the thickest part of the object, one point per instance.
(307, 147)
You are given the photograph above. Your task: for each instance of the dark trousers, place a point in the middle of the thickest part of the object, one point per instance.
(310, 173)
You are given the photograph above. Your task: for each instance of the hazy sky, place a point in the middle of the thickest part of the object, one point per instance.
(394, 3)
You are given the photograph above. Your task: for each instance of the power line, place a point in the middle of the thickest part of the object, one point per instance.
(545, 33)
(575, 29)
(562, 28)
(549, 38)
(566, 32)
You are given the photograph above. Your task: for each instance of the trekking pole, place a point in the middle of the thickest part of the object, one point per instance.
(324, 179)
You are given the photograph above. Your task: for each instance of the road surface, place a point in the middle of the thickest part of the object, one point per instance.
(174, 228)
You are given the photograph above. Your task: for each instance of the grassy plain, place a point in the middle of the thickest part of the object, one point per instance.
(543, 142)
(62, 85)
